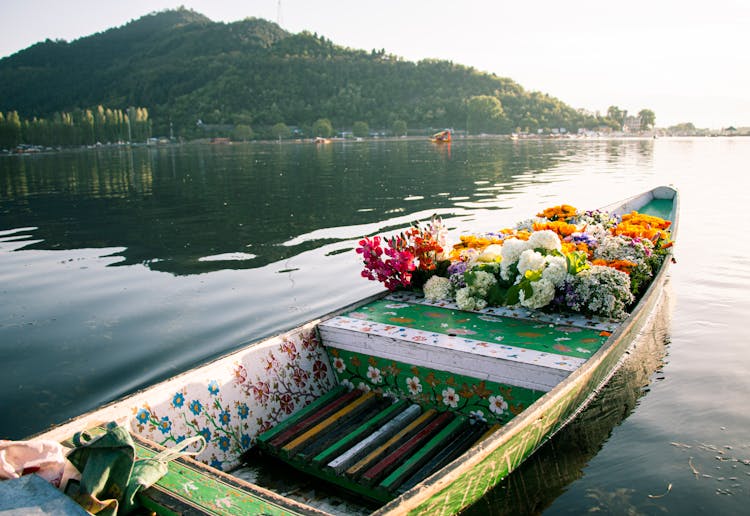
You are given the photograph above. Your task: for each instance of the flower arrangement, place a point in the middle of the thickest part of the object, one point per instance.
(562, 260)
(419, 249)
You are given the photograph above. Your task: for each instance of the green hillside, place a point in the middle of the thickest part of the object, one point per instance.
(182, 68)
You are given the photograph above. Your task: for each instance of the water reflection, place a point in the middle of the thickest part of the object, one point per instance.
(182, 209)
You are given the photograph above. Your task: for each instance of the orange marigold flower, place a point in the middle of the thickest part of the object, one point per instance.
(621, 265)
(562, 212)
(562, 228)
(640, 225)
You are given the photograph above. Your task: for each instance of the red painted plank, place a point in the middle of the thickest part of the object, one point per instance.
(405, 450)
(313, 419)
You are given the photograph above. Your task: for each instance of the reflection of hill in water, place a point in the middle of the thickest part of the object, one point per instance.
(235, 206)
(561, 461)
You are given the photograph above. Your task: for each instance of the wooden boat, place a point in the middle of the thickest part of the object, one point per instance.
(412, 406)
(441, 137)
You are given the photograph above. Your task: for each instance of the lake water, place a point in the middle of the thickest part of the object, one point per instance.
(122, 267)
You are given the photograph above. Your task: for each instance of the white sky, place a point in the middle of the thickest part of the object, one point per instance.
(686, 61)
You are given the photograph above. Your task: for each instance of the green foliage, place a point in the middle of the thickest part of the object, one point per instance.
(361, 129)
(281, 131)
(577, 262)
(648, 118)
(399, 128)
(322, 128)
(485, 115)
(186, 68)
(79, 127)
(242, 132)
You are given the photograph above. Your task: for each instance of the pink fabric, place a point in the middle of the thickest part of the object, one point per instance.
(43, 457)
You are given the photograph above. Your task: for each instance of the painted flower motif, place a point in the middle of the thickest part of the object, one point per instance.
(224, 443)
(497, 404)
(216, 463)
(363, 387)
(196, 407)
(243, 410)
(451, 397)
(213, 387)
(320, 370)
(206, 433)
(373, 373)
(339, 364)
(143, 416)
(478, 416)
(240, 374)
(178, 400)
(261, 392)
(290, 349)
(300, 376)
(225, 417)
(286, 403)
(223, 503)
(245, 441)
(309, 341)
(347, 383)
(165, 425)
(414, 385)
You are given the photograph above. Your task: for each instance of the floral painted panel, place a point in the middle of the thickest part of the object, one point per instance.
(235, 399)
(479, 399)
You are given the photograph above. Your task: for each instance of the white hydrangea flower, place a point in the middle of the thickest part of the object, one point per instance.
(545, 239)
(512, 249)
(543, 294)
(556, 270)
(466, 301)
(437, 288)
(483, 281)
(530, 260)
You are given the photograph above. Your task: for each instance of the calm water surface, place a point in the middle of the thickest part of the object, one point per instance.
(119, 268)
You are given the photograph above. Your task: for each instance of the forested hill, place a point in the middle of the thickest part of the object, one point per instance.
(183, 67)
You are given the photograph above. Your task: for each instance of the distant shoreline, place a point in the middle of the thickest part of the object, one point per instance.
(24, 150)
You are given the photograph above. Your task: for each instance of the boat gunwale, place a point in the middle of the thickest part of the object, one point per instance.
(577, 380)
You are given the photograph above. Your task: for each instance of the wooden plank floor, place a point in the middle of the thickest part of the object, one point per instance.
(371, 445)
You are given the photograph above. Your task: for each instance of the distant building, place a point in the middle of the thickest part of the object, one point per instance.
(632, 124)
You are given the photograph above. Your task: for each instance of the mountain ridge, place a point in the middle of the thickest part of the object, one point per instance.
(185, 67)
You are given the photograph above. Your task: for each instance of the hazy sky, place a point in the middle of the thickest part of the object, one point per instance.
(686, 61)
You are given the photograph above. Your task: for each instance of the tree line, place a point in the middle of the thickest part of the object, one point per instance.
(253, 80)
(79, 127)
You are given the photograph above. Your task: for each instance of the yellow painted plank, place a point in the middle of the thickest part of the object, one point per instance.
(356, 468)
(332, 419)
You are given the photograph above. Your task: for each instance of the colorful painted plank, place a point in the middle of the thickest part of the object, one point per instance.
(360, 432)
(429, 450)
(396, 440)
(403, 452)
(462, 442)
(304, 412)
(312, 419)
(382, 434)
(345, 412)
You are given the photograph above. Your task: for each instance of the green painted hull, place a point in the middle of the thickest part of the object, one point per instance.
(470, 477)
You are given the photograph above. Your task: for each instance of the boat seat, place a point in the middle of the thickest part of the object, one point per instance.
(369, 444)
(507, 346)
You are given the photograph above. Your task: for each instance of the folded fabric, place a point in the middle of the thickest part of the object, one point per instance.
(43, 457)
